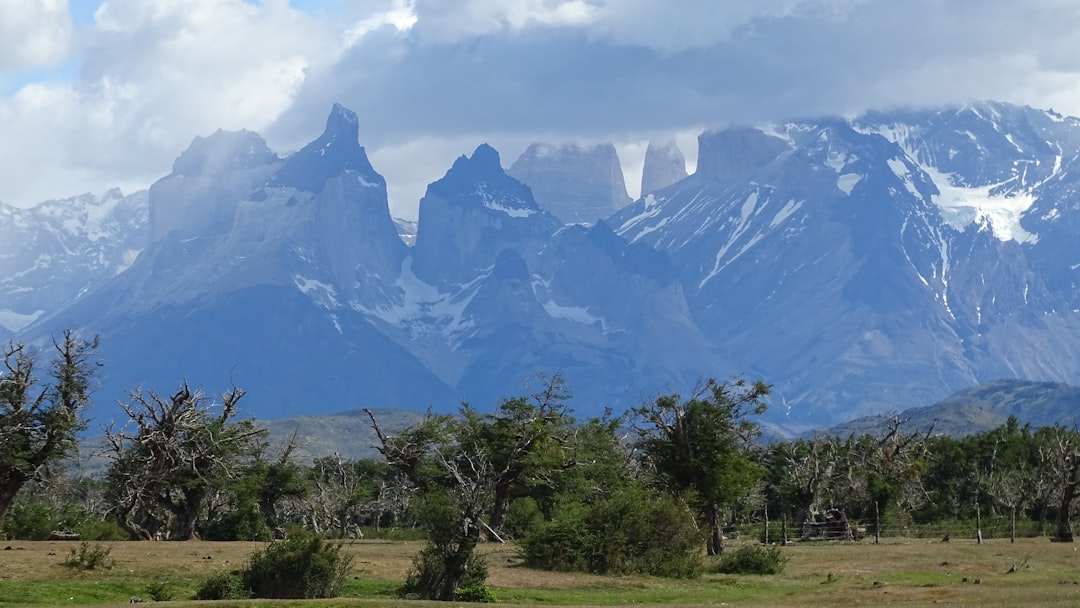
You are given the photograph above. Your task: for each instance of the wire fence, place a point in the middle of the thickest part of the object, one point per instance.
(989, 529)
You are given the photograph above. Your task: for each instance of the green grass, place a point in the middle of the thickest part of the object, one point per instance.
(907, 572)
(83, 592)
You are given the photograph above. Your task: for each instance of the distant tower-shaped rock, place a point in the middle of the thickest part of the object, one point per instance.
(664, 165)
(577, 184)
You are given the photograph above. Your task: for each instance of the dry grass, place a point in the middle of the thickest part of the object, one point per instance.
(894, 573)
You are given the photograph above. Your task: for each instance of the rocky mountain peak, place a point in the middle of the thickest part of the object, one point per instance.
(578, 184)
(664, 165)
(222, 152)
(736, 153)
(334, 152)
(472, 213)
(482, 169)
(478, 180)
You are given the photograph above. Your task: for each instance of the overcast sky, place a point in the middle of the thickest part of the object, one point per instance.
(96, 94)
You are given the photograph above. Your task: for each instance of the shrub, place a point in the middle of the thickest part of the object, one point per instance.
(522, 517)
(302, 567)
(752, 559)
(91, 529)
(159, 591)
(428, 569)
(88, 557)
(631, 532)
(30, 520)
(222, 586)
(481, 594)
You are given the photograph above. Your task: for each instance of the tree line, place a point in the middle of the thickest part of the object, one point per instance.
(652, 490)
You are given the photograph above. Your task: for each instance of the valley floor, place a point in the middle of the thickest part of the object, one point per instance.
(897, 572)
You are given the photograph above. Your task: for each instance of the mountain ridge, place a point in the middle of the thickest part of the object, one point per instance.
(858, 265)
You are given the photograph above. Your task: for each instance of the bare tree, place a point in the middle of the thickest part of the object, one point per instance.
(1061, 449)
(464, 470)
(176, 451)
(38, 421)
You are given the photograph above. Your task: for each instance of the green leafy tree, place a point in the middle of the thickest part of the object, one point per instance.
(525, 441)
(463, 468)
(175, 454)
(701, 447)
(38, 418)
(271, 481)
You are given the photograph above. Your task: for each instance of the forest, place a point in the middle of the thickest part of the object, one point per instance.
(657, 490)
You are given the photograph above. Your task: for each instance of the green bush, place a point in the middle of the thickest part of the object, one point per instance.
(223, 586)
(522, 517)
(159, 591)
(752, 559)
(428, 569)
(88, 557)
(245, 523)
(92, 529)
(481, 594)
(303, 567)
(631, 532)
(30, 520)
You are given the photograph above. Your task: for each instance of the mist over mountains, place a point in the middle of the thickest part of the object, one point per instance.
(858, 265)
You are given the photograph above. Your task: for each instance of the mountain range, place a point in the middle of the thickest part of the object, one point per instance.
(858, 265)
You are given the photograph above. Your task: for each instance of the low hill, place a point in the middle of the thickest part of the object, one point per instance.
(347, 434)
(982, 408)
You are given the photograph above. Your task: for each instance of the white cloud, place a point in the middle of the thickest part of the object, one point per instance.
(441, 22)
(153, 75)
(426, 76)
(33, 33)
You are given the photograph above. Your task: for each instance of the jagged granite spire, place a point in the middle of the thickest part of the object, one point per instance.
(471, 214)
(336, 151)
(480, 180)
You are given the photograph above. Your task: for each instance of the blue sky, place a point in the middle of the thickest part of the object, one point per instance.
(102, 93)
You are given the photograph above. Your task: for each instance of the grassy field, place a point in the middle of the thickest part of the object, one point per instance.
(893, 573)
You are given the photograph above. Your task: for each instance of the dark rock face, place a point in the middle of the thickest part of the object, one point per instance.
(336, 151)
(664, 165)
(577, 184)
(475, 211)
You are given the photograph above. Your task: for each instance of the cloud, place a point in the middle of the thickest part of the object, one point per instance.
(33, 33)
(152, 76)
(428, 75)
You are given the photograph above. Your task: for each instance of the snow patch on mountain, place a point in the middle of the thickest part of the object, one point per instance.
(321, 293)
(423, 309)
(847, 182)
(577, 314)
(789, 209)
(748, 210)
(13, 321)
(962, 207)
(901, 170)
(496, 205)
